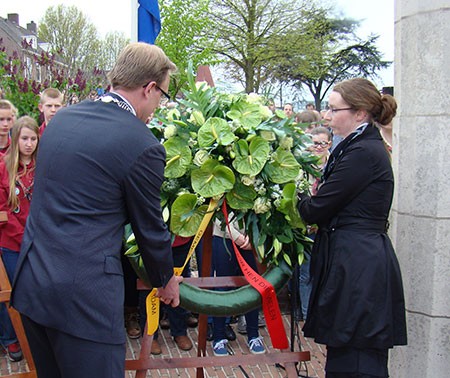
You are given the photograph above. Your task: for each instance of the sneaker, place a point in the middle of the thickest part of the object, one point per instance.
(220, 348)
(14, 352)
(242, 325)
(256, 346)
(229, 333)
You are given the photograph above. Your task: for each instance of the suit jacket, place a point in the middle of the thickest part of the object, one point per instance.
(98, 168)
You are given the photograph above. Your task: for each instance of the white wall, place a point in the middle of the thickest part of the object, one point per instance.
(421, 210)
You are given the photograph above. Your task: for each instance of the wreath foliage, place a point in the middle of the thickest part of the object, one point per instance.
(231, 146)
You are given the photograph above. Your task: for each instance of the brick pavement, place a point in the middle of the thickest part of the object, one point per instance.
(311, 369)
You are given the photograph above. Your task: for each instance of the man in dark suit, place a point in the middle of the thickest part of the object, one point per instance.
(99, 168)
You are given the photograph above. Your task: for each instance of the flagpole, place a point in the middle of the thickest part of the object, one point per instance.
(134, 20)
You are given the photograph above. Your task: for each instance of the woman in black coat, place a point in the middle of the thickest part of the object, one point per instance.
(357, 305)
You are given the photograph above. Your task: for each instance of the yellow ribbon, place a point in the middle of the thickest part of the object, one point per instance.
(152, 301)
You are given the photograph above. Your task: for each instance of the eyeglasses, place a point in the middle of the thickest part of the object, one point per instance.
(334, 111)
(166, 95)
(322, 144)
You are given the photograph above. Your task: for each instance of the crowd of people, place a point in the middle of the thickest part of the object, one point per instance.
(69, 186)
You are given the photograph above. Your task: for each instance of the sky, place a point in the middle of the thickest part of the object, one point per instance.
(376, 17)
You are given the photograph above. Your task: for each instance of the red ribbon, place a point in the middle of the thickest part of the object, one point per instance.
(270, 305)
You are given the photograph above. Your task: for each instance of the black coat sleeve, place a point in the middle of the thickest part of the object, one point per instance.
(142, 191)
(349, 177)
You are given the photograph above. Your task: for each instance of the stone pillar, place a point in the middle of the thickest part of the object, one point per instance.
(421, 210)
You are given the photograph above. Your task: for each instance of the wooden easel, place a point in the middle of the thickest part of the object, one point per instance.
(5, 296)
(145, 362)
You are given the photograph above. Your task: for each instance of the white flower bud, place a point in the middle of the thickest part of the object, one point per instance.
(287, 143)
(200, 157)
(170, 131)
(197, 118)
(261, 205)
(265, 112)
(248, 180)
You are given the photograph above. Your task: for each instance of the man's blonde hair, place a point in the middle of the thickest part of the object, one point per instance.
(50, 93)
(140, 63)
(8, 105)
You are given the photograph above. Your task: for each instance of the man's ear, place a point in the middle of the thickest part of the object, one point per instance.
(40, 107)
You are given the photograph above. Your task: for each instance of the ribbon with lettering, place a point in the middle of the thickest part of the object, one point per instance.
(270, 305)
(152, 301)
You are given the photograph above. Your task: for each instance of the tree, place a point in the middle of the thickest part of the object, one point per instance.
(323, 51)
(23, 90)
(111, 47)
(183, 37)
(244, 32)
(72, 36)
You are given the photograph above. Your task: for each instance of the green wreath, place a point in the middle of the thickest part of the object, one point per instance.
(232, 146)
(212, 302)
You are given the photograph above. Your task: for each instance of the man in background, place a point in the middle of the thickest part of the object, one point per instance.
(51, 101)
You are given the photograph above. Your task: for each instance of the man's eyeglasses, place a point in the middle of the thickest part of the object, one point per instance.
(165, 94)
(322, 144)
(335, 110)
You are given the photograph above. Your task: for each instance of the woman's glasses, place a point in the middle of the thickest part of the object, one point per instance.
(322, 144)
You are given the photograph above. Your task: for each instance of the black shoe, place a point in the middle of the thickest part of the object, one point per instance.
(209, 332)
(191, 321)
(229, 333)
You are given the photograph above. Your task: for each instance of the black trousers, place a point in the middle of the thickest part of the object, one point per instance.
(356, 363)
(59, 355)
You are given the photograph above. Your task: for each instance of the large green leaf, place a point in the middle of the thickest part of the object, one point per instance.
(215, 130)
(186, 215)
(178, 157)
(283, 167)
(212, 179)
(288, 206)
(246, 115)
(241, 197)
(250, 160)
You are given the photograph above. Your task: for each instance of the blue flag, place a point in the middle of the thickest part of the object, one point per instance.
(149, 21)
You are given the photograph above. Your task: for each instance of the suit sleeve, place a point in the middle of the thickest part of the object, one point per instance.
(142, 188)
(350, 176)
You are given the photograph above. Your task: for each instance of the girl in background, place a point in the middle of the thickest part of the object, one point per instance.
(16, 187)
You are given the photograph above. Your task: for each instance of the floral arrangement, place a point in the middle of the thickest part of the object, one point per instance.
(231, 146)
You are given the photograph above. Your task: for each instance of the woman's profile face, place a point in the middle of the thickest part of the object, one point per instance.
(340, 115)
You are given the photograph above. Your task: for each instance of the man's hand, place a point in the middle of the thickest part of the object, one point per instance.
(171, 293)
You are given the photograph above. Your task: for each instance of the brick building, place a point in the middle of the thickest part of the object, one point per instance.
(25, 43)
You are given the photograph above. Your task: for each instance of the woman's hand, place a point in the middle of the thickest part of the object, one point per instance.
(243, 242)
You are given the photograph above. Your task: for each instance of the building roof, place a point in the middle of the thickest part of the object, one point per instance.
(10, 29)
